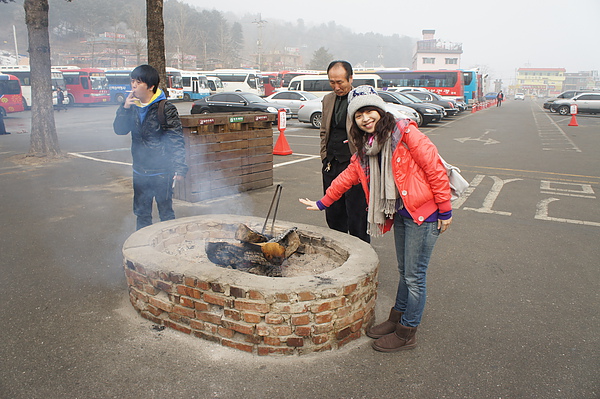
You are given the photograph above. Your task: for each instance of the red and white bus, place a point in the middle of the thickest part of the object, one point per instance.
(11, 99)
(448, 83)
(86, 85)
(174, 84)
(270, 82)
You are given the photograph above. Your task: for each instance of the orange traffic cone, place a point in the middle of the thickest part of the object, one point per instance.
(573, 121)
(281, 146)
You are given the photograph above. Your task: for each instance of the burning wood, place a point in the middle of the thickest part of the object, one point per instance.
(255, 253)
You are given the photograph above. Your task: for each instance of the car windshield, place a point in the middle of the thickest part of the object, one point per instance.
(411, 97)
(253, 98)
(402, 98)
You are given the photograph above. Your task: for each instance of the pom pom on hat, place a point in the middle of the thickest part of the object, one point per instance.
(364, 96)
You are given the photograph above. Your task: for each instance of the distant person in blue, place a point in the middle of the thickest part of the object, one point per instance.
(499, 99)
(158, 149)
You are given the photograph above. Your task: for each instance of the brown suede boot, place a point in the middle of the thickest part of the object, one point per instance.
(387, 326)
(401, 339)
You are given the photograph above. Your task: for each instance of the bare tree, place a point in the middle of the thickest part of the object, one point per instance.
(155, 28)
(43, 138)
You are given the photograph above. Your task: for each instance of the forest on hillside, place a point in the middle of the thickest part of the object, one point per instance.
(205, 35)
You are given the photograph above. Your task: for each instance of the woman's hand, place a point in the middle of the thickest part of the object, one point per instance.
(444, 224)
(310, 205)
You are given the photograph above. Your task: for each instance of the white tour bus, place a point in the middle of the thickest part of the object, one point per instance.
(23, 72)
(319, 84)
(215, 85)
(195, 85)
(246, 80)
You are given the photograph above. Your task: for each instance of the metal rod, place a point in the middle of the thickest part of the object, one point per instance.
(275, 195)
(275, 211)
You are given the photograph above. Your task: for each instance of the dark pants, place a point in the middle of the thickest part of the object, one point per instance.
(349, 213)
(2, 127)
(147, 188)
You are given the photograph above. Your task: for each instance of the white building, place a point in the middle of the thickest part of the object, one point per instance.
(432, 54)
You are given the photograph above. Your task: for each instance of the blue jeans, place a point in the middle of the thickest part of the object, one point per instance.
(414, 245)
(149, 188)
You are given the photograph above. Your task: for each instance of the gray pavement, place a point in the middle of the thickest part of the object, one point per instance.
(513, 306)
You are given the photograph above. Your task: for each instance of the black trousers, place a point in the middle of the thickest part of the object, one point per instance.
(149, 188)
(349, 213)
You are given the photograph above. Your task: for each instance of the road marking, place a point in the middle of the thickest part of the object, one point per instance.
(480, 138)
(306, 158)
(75, 154)
(472, 186)
(542, 214)
(552, 136)
(491, 197)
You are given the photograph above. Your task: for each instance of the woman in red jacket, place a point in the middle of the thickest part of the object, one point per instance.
(406, 186)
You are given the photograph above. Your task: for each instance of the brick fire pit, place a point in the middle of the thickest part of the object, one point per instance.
(257, 314)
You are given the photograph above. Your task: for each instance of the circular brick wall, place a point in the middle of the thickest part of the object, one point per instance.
(257, 314)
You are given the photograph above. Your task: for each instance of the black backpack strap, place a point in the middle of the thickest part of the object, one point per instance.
(161, 114)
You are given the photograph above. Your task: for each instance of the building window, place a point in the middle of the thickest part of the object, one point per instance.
(451, 61)
(428, 60)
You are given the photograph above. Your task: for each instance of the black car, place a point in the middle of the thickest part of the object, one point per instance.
(429, 97)
(429, 112)
(237, 102)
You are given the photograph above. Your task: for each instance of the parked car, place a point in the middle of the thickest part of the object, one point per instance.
(565, 95)
(449, 106)
(586, 103)
(237, 102)
(427, 112)
(291, 99)
(520, 96)
(491, 95)
(312, 112)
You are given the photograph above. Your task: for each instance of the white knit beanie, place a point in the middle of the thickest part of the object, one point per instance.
(363, 96)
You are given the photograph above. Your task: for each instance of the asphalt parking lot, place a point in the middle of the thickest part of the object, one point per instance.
(513, 305)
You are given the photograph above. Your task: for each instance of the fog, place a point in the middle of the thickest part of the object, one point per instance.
(502, 35)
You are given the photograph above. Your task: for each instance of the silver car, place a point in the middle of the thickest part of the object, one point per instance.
(292, 99)
(586, 103)
(311, 112)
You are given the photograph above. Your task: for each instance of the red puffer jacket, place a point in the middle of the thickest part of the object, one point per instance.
(420, 176)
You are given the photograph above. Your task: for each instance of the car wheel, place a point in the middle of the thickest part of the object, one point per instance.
(120, 98)
(204, 111)
(186, 97)
(420, 120)
(315, 120)
(564, 110)
(552, 110)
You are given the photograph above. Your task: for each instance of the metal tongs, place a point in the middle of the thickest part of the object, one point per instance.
(276, 196)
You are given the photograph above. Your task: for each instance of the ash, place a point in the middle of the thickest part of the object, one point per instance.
(298, 264)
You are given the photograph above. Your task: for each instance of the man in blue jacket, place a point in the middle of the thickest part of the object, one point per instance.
(157, 145)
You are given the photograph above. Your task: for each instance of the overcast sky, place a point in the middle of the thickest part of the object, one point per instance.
(504, 34)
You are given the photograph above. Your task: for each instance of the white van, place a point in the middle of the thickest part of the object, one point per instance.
(319, 84)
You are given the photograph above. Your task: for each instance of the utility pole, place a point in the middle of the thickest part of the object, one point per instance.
(16, 49)
(260, 22)
(380, 56)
